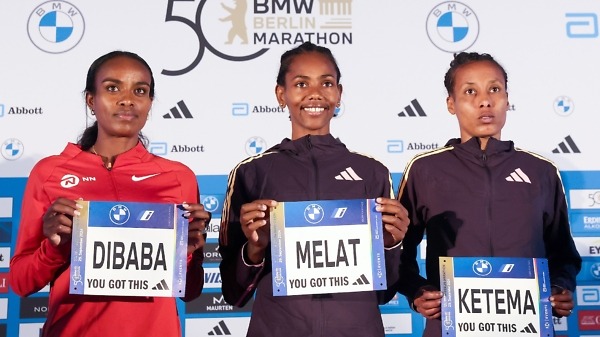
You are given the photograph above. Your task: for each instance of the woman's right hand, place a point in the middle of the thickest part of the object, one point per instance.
(254, 218)
(428, 302)
(58, 221)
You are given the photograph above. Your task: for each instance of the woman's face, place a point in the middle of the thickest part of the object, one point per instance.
(479, 100)
(121, 101)
(311, 92)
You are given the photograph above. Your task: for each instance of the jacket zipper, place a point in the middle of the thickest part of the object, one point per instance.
(309, 144)
(489, 201)
(315, 167)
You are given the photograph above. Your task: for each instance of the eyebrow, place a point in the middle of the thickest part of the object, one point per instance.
(489, 82)
(322, 76)
(114, 80)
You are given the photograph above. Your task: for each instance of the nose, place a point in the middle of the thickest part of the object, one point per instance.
(485, 101)
(126, 99)
(315, 93)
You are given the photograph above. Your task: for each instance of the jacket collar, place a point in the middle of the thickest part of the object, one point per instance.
(309, 143)
(472, 147)
(135, 155)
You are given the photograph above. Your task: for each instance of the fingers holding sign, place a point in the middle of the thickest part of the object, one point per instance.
(58, 221)
(395, 220)
(254, 219)
(199, 221)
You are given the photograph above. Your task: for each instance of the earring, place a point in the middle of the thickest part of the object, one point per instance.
(282, 105)
(338, 104)
(93, 113)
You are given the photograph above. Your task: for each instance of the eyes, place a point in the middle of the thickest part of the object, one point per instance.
(472, 91)
(138, 91)
(303, 84)
(302, 81)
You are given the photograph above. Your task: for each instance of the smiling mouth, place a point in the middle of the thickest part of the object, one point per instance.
(315, 110)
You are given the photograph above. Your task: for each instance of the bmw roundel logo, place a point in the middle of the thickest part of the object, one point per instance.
(210, 203)
(55, 26)
(595, 270)
(119, 214)
(12, 149)
(564, 106)
(452, 26)
(314, 213)
(255, 145)
(482, 267)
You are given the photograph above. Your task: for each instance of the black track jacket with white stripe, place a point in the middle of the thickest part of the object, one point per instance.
(310, 168)
(502, 202)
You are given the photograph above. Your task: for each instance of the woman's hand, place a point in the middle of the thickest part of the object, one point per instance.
(254, 218)
(395, 220)
(199, 220)
(58, 221)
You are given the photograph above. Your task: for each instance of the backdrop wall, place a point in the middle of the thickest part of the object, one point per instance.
(215, 64)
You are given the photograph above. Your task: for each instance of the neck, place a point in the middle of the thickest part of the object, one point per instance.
(108, 161)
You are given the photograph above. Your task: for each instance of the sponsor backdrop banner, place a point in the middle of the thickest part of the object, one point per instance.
(215, 64)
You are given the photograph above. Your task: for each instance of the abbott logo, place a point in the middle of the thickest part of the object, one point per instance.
(182, 112)
(588, 295)
(582, 25)
(240, 109)
(395, 146)
(158, 148)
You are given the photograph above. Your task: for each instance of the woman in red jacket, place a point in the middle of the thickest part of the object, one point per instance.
(110, 162)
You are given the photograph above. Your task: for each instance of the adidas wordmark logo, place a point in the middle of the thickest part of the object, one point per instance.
(518, 176)
(220, 330)
(348, 174)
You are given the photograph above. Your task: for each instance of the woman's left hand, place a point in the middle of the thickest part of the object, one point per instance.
(395, 220)
(199, 221)
(561, 301)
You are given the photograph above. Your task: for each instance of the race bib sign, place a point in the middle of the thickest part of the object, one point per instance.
(493, 296)
(326, 246)
(129, 249)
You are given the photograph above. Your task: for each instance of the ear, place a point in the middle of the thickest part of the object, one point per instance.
(450, 105)
(89, 100)
(340, 88)
(279, 91)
